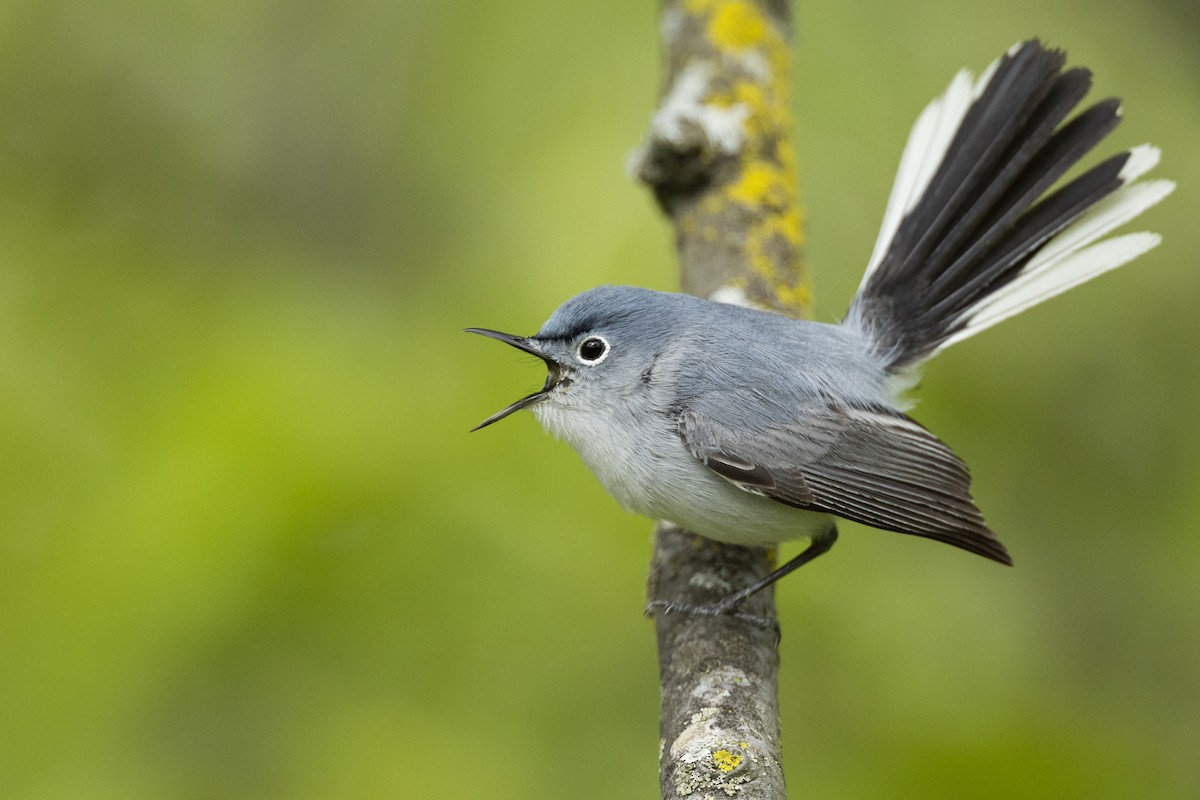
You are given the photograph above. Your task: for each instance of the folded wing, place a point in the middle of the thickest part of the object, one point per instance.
(872, 466)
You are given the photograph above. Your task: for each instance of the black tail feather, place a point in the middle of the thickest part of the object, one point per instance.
(1028, 174)
(978, 222)
(1032, 231)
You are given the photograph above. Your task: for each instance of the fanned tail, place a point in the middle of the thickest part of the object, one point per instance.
(970, 236)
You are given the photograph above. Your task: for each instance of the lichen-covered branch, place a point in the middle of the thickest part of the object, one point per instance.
(719, 721)
(718, 153)
(718, 156)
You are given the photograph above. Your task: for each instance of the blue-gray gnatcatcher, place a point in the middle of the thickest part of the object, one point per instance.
(753, 428)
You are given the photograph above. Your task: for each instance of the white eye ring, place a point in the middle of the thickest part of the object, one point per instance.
(589, 345)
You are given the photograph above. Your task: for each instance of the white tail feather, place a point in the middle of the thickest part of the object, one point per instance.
(923, 153)
(1113, 211)
(1067, 260)
(1071, 270)
(1142, 159)
(940, 283)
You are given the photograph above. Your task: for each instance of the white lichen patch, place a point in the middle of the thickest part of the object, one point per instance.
(755, 63)
(707, 757)
(703, 579)
(671, 25)
(732, 295)
(684, 113)
(719, 684)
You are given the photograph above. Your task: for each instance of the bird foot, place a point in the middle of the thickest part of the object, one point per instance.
(726, 608)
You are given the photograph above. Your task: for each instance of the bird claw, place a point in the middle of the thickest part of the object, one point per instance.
(726, 608)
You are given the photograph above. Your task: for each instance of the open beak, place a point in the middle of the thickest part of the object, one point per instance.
(553, 379)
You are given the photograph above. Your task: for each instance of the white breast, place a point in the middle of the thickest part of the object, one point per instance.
(645, 466)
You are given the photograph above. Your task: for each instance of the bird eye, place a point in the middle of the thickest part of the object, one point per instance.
(592, 350)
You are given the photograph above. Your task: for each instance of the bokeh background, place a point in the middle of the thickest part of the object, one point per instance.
(249, 550)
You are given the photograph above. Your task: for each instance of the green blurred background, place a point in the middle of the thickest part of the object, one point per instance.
(248, 549)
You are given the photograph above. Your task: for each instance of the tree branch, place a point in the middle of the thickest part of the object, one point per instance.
(718, 156)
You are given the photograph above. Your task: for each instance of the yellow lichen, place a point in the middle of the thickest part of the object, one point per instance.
(760, 197)
(797, 297)
(736, 25)
(726, 761)
(762, 111)
(790, 225)
(762, 184)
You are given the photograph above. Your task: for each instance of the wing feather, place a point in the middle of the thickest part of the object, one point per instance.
(874, 466)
